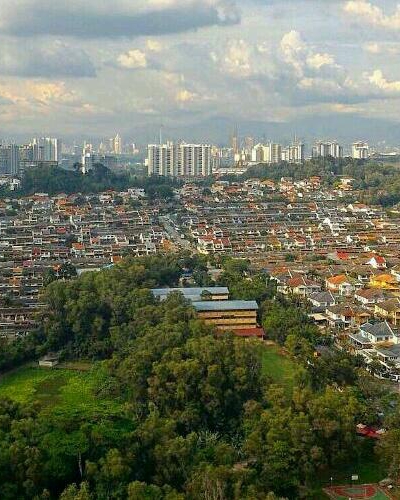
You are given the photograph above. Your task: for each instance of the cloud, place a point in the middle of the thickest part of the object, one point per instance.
(237, 58)
(303, 58)
(49, 60)
(153, 45)
(184, 96)
(377, 78)
(133, 59)
(316, 61)
(372, 14)
(93, 19)
(382, 48)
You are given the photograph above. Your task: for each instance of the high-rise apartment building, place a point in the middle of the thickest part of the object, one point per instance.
(46, 149)
(325, 149)
(267, 153)
(294, 153)
(179, 160)
(9, 159)
(360, 150)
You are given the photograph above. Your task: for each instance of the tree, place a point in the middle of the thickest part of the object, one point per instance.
(74, 492)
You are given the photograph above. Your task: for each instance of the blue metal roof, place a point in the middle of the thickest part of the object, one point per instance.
(192, 294)
(226, 305)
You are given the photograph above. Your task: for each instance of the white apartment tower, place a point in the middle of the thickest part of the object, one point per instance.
(294, 153)
(47, 149)
(267, 153)
(360, 151)
(179, 160)
(324, 149)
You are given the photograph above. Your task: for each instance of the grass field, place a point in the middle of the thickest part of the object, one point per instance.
(55, 390)
(279, 367)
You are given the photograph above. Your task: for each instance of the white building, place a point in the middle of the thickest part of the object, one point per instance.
(267, 153)
(179, 160)
(360, 151)
(294, 153)
(324, 149)
(48, 149)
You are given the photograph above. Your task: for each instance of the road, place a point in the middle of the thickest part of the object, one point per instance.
(173, 234)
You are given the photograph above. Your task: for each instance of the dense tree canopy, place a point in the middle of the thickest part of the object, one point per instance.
(195, 416)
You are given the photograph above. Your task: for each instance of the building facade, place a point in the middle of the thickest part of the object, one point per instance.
(179, 160)
(325, 149)
(360, 151)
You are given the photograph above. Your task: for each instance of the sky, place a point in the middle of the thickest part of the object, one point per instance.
(322, 68)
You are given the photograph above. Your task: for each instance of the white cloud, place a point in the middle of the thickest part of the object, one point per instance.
(372, 14)
(378, 79)
(301, 56)
(153, 45)
(133, 59)
(318, 60)
(185, 96)
(294, 51)
(382, 48)
(237, 58)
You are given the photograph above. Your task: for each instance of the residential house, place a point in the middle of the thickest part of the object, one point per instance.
(371, 334)
(321, 300)
(341, 284)
(370, 296)
(346, 316)
(389, 310)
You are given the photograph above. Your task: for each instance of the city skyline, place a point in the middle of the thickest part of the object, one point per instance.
(200, 67)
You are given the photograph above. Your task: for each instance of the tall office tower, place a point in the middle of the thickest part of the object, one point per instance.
(249, 144)
(360, 150)
(117, 146)
(235, 141)
(324, 149)
(183, 160)
(102, 148)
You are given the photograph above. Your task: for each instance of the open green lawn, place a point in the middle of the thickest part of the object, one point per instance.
(56, 390)
(278, 366)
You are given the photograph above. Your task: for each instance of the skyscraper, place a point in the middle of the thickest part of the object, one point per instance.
(117, 145)
(235, 141)
(47, 149)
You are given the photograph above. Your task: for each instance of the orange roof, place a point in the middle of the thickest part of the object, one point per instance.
(78, 246)
(337, 280)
